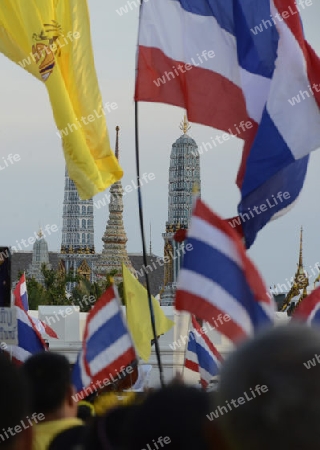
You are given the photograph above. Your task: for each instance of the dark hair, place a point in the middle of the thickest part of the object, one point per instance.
(286, 413)
(14, 400)
(176, 412)
(110, 431)
(49, 377)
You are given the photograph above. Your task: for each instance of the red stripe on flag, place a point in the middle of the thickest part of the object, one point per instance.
(198, 306)
(252, 275)
(196, 90)
(292, 19)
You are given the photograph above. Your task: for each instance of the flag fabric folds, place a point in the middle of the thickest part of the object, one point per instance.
(107, 347)
(30, 340)
(20, 292)
(21, 297)
(51, 40)
(138, 314)
(202, 356)
(236, 66)
(308, 310)
(218, 282)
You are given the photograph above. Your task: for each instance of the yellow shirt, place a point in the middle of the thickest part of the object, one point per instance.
(46, 431)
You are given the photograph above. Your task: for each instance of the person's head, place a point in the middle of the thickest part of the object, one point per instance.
(14, 408)
(111, 430)
(51, 388)
(85, 411)
(269, 392)
(172, 417)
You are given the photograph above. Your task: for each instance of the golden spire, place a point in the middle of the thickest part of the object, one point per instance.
(300, 265)
(40, 234)
(184, 126)
(116, 152)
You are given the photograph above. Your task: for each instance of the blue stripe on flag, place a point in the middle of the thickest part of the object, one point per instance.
(260, 168)
(76, 375)
(214, 265)
(290, 180)
(109, 333)
(316, 318)
(206, 360)
(255, 54)
(28, 339)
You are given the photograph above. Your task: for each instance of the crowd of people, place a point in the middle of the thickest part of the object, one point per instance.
(268, 397)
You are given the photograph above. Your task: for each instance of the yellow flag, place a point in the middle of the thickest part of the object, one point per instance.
(138, 314)
(51, 40)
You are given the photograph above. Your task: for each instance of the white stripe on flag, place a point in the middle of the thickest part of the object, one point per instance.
(110, 354)
(303, 138)
(22, 315)
(18, 352)
(23, 288)
(215, 295)
(174, 30)
(85, 379)
(212, 236)
(102, 316)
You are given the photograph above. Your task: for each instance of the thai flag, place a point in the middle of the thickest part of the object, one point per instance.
(202, 356)
(21, 297)
(107, 345)
(20, 292)
(308, 310)
(218, 282)
(30, 340)
(236, 66)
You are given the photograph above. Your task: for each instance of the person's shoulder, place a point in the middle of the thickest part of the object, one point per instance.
(68, 439)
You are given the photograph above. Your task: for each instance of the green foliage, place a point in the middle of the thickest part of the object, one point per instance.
(54, 289)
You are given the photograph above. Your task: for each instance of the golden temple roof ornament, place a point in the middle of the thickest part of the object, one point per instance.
(184, 126)
(300, 265)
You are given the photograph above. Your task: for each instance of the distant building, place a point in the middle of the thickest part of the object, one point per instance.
(40, 257)
(77, 248)
(184, 177)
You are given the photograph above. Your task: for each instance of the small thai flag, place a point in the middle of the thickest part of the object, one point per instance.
(21, 292)
(107, 345)
(202, 356)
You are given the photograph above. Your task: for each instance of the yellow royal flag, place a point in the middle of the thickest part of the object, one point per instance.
(51, 40)
(138, 314)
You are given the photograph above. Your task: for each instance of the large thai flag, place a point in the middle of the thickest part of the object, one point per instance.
(202, 356)
(308, 310)
(261, 62)
(218, 282)
(107, 346)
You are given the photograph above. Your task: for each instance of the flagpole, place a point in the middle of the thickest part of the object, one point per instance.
(145, 262)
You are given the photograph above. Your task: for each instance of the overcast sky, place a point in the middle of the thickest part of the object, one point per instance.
(32, 188)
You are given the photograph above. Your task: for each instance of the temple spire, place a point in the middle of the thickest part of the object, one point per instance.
(116, 152)
(300, 265)
(184, 125)
(114, 251)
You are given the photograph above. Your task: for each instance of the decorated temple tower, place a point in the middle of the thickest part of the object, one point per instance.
(40, 257)
(184, 176)
(114, 251)
(77, 247)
